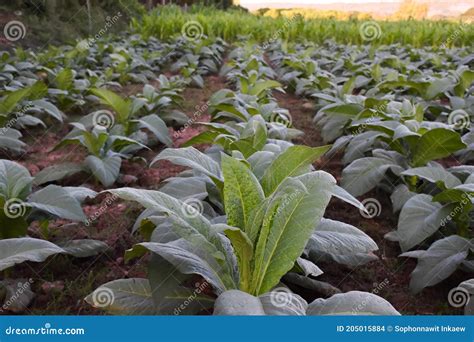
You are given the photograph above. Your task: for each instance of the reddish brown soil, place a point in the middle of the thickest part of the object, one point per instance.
(62, 282)
(390, 275)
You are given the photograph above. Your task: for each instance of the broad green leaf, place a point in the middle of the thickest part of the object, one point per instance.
(290, 218)
(15, 180)
(438, 87)
(64, 79)
(84, 248)
(185, 187)
(206, 137)
(124, 297)
(243, 249)
(57, 201)
(435, 144)
(180, 256)
(434, 175)
(364, 174)
(342, 243)
(295, 161)
(192, 158)
(11, 100)
(111, 99)
(49, 108)
(16, 251)
(281, 302)
(195, 228)
(419, 218)
(10, 140)
(170, 295)
(438, 262)
(307, 267)
(56, 172)
(157, 126)
(463, 194)
(242, 192)
(352, 303)
(106, 170)
(262, 86)
(400, 195)
(238, 303)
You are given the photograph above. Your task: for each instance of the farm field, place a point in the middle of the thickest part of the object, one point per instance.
(204, 159)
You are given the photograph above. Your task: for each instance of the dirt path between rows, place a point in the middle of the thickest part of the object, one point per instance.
(62, 282)
(389, 276)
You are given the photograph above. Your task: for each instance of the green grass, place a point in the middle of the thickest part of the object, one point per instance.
(167, 21)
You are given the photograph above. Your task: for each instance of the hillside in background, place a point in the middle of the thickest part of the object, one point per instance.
(436, 8)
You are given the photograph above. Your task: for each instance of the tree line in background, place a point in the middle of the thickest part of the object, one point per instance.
(50, 7)
(59, 21)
